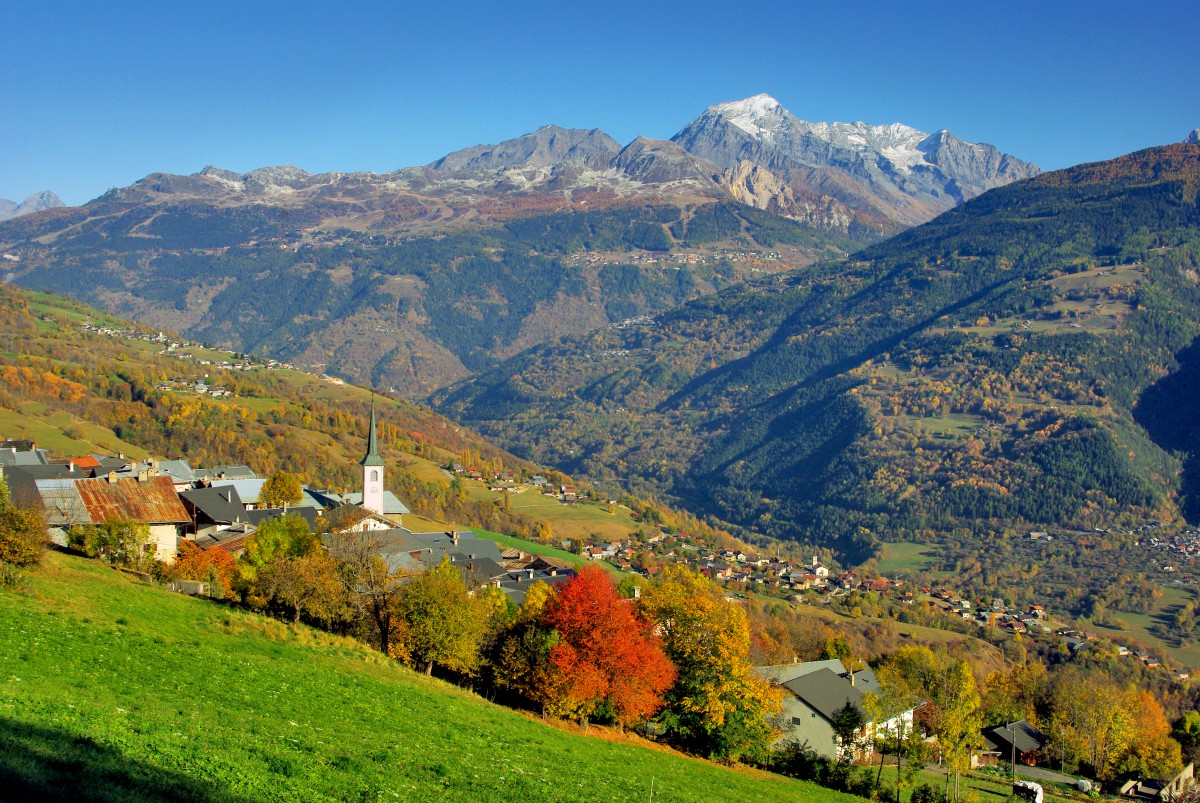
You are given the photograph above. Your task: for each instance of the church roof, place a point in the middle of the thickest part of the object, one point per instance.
(372, 458)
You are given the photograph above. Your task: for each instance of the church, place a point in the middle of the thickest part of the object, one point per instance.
(374, 498)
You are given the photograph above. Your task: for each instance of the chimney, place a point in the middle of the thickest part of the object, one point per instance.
(143, 475)
(112, 477)
(71, 466)
(120, 455)
(454, 537)
(530, 573)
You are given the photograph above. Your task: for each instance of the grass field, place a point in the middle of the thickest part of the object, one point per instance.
(1137, 626)
(114, 690)
(904, 556)
(31, 422)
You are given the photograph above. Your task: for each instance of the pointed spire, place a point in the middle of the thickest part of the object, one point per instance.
(372, 458)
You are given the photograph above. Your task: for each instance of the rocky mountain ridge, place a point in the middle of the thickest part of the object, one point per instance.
(863, 180)
(894, 172)
(34, 203)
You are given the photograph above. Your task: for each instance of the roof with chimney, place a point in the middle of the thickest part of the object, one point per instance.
(220, 505)
(142, 499)
(825, 692)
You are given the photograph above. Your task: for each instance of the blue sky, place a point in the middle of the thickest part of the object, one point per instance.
(96, 95)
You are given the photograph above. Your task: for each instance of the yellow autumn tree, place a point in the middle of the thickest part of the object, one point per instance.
(718, 706)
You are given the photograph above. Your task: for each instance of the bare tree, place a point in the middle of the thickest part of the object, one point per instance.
(372, 586)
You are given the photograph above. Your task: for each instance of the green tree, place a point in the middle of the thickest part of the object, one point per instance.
(281, 490)
(118, 541)
(521, 657)
(279, 537)
(444, 622)
(847, 725)
(959, 719)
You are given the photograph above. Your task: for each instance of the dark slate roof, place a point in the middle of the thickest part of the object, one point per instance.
(825, 692)
(222, 505)
(468, 544)
(53, 471)
(256, 517)
(1026, 737)
(477, 570)
(518, 583)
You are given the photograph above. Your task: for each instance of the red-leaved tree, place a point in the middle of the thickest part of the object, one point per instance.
(606, 660)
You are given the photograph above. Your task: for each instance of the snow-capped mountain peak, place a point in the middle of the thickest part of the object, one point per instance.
(759, 116)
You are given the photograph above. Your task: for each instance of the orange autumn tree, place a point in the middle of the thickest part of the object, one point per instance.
(607, 661)
(214, 566)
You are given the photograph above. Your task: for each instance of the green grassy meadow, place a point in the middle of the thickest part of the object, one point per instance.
(114, 690)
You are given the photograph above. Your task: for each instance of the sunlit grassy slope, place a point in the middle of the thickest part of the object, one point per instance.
(111, 689)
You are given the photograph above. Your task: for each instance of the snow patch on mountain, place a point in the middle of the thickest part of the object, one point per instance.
(758, 116)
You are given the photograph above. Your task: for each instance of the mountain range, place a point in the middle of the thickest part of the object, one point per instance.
(34, 203)
(415, 279)
(1023, 360)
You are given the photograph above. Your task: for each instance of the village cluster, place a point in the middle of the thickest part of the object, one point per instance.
(220, 508)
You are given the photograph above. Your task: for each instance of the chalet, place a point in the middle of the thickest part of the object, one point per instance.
(143, 499)
(815, 691)
(1018, 736)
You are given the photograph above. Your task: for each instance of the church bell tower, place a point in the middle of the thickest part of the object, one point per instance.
(372, 493)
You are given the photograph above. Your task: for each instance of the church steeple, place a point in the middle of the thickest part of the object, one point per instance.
(372, 493)
(372, 458)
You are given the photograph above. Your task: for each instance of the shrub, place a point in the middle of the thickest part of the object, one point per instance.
(13, 579)
(926, 793)
(22, 535)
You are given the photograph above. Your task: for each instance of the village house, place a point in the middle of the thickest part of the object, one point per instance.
(144, 499)
(815, 691)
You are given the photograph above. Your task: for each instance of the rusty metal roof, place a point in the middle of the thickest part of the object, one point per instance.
(149, 501)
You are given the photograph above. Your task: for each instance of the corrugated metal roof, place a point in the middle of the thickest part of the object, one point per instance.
(64, 506)
(153, 501)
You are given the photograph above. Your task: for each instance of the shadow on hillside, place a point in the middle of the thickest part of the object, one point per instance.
(1167, 411)
(44, 764)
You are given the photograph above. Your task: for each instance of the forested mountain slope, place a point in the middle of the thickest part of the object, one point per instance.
(405, 312)
(978, 373)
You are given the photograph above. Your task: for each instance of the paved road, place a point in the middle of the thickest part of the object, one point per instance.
(1033, 773)
(1041, 774)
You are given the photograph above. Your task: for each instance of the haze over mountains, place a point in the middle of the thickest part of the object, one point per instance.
(421, 277)
(34, 203)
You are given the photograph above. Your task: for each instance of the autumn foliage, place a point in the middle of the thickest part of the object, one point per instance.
(607, 660)
(214, 566)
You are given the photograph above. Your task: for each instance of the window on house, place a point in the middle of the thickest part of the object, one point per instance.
(796, 720)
